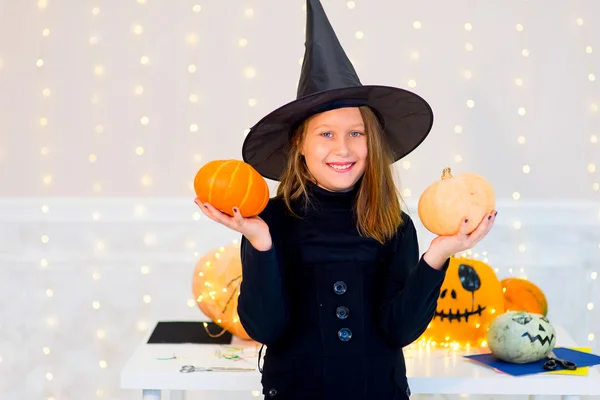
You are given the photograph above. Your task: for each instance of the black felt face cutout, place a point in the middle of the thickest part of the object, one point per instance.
(460, 301)
(470, 298)
(536, 328)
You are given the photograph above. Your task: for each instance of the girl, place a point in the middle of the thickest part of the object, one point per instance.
(333, 281)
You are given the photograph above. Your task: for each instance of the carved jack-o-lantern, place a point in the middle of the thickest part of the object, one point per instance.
(521, 337)
(470, 298)
(215, 284)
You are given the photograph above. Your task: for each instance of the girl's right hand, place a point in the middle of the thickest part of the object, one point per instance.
(255, 229)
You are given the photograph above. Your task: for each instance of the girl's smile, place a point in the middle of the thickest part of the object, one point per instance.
(341, 167)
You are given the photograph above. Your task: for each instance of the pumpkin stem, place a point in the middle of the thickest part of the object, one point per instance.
(446, 173)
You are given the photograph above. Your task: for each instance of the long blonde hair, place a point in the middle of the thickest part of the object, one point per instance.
(377, 207)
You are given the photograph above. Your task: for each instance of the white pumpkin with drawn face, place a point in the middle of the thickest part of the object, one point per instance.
(520, 337)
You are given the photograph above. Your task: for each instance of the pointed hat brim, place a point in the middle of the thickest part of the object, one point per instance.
(406, 118)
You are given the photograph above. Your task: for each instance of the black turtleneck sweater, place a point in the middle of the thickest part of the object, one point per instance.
(291, 295)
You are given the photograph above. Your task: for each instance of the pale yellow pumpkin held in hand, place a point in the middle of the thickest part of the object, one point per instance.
(444, 204)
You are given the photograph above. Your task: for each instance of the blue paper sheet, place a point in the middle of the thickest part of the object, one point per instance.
(580, 358)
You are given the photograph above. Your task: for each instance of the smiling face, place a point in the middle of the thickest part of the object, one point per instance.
(335, 148)
(470, 298)
(521, 337)
(356, 138)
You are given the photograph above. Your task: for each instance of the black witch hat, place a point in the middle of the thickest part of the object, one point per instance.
(328, 81)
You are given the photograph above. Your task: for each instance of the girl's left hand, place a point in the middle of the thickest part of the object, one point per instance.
(443, 247)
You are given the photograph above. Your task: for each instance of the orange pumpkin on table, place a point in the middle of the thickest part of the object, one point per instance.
(470, 299)
(216, 285)
(523, 295)
(232, 183)
(444, 204)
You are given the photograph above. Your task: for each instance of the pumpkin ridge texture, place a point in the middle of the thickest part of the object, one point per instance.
(247, 192)
(232, 183)
(213, 179)
(266, 198)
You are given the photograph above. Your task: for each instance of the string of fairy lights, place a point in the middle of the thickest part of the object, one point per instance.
(194, 98)
(43, 120)
(139, 91)
(591, 132)
(45, 132)
(100, 73)
(465, 105)
(521, 82)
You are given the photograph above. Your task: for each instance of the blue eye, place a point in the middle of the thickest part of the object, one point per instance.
(330, 134)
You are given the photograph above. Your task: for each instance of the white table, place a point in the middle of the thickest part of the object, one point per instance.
(431, 371)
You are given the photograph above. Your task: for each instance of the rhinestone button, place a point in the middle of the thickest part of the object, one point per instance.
(342, 312)
(340, 287)
(345, 334)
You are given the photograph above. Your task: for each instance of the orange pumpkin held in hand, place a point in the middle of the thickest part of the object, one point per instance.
(232, 183)
(523, 295)
(445, 203)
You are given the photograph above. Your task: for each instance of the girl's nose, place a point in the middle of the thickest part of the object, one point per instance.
(341, 147)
